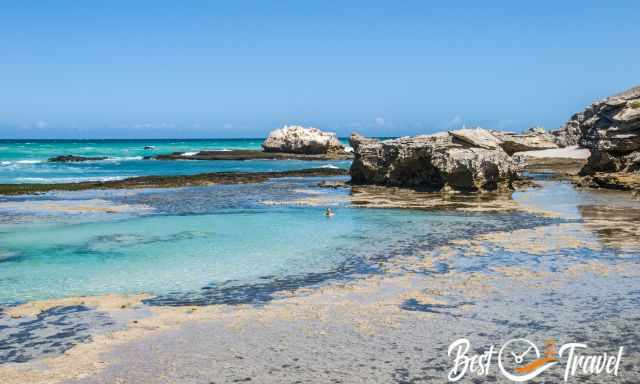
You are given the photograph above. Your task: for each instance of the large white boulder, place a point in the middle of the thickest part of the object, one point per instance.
(297, 139)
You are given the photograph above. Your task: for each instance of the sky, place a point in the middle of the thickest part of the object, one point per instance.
(181, 69)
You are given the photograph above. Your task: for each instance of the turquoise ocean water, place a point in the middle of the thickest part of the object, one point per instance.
(25, 161)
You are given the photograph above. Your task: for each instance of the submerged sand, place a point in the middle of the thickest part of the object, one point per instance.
(574, 280)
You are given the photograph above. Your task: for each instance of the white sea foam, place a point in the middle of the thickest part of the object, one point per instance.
(217, 150)
(68, 179)
(187, 154)
(124, 158)
(6, 163)
(29, 161)
(328, 166)
(6, 255)
(348, 149)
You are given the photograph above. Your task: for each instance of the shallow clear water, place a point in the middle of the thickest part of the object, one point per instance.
(182, 242)
(24, 161)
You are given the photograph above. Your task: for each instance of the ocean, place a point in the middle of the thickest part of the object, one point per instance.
(25, 161)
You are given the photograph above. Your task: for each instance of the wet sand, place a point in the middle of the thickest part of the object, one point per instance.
(573, 278)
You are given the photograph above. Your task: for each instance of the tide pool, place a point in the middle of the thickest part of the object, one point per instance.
(206, 244)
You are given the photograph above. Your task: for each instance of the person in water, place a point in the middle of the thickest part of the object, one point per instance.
(329, 212)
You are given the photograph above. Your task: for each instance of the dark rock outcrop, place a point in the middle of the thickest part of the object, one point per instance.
(469, 160)
(567, 136)
(302, 140)
(610, 129)
(624, 181)
(608, 125)
(74, 159)
(169, 181)
(611, 125)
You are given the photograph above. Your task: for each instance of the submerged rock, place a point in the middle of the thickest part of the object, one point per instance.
(74, 159)
(465, 160)
(174, 181)
(302, 140)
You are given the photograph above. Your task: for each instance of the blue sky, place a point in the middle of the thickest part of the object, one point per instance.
(73, 69)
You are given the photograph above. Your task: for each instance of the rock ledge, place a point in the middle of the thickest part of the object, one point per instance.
(457, 160)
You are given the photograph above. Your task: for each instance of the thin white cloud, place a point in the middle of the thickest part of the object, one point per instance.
(41, 124)
(162, 125)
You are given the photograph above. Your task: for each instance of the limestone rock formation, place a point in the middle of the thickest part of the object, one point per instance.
(461, 160)
(611, 125)
(508, 141)
(302, 140)
(610, 128)
(521, 142)
(567, 136)
(477, 137)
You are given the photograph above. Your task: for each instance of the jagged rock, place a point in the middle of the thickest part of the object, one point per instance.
(301, 140)
(74, 159)
(568, 136)
(624, 181)
(602, 161)
(610, 128)
(610, 125)
(441, 162)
